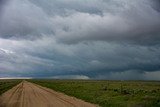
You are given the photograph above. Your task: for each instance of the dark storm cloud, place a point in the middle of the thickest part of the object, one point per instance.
(156, 5)
(115, 39)
(2, 3)
(135, 22)
(25, 21)
(61, 7)
(73, 21)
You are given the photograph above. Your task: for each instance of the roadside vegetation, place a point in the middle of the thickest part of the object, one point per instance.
(109, 93)
(7, 84)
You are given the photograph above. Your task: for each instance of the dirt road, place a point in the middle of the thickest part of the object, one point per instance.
(27, 94)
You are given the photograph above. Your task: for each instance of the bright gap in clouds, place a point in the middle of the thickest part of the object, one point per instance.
(115, 39)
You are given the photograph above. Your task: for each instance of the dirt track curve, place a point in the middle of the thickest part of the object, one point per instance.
(27, 94)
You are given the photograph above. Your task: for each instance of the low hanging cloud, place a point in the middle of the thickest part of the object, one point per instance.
(122, 21)
(2, 2)
(79, 39)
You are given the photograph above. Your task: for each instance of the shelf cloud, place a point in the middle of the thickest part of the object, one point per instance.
(98, 40)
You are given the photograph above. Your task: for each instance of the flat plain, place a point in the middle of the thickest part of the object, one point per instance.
(65, 93)
(6, 84)
(109, 93)
(27, 94)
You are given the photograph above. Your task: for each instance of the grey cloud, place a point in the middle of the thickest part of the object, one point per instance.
(61, 7)
(2, 2)
(138, 24)
(70, 77)
(80, 39)
(42, 59)
(156, 5)
(131, 75)
(27, 21)
(119, 21)
(2, 5)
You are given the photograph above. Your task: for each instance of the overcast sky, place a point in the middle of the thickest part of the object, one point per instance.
(80, 39)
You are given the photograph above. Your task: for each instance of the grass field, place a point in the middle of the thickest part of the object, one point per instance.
(7, 84)
(109, 93)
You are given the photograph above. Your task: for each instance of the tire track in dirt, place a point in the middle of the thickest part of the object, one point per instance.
(27, 94)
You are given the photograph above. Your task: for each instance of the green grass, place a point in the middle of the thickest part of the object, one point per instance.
(7, 84)
(109, 93)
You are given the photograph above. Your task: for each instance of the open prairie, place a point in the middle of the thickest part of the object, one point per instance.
(109, 93)
(27, 94)
(77, 93)
(7, 84)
